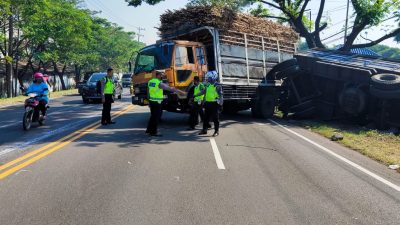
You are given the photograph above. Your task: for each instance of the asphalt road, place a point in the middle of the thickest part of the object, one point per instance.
(255, 172)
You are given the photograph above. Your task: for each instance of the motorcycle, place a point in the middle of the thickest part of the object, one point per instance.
(32, 112)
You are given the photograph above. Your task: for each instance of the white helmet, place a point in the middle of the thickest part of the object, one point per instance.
(212, 76)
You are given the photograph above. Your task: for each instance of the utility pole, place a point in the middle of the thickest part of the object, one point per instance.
(139, 33)
(347, 22)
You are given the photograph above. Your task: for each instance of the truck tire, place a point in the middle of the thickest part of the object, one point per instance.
(255, 110)
(385, 94)
(85, 100)
(292, 71)
(267, 106)
(353, 100)
(281, 66)
(386, 81)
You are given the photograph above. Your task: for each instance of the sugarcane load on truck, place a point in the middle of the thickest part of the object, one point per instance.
(240, 47)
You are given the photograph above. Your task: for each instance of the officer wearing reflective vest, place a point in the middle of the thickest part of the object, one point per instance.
(196, 108)
(155, 90)
(107, 97)
(213, 102)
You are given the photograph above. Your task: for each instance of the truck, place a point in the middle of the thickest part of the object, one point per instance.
(242, 61)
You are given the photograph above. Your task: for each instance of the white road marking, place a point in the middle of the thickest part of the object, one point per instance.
(355, 165)
(11, 124)
(217, 155)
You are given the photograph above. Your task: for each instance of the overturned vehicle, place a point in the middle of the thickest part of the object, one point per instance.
(335, 85)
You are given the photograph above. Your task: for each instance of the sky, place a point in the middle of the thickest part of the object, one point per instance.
(147, 17)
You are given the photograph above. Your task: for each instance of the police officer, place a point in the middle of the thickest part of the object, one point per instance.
(155, 92)
(107, 97)
(213, 102)
(197, 104)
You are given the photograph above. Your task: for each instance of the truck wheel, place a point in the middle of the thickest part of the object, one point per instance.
(267, 106)
(385, 94)
(353, 100)
(292, 71)
(85, 100)
(255, 109)
(386, 81)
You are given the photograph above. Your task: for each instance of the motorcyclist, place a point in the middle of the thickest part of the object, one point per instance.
(40, 88)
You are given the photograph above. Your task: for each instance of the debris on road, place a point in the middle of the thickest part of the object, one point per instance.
(337, 137)
(394, 167)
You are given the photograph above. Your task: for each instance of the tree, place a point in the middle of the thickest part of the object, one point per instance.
(61, 35)
(367, 14)
(386, 51)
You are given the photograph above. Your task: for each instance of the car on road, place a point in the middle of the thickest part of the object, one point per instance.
(126, 79)
(90, 92)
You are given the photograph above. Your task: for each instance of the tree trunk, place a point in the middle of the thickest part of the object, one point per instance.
(351, 38)
(62, 77)
(302, 30)
(60, 74)
(9, 66)
(23, 71)
(77, 73)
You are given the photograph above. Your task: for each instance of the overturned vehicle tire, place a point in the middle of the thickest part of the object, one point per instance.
(385, 81)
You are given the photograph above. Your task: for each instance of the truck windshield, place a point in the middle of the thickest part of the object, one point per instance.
(154, 57)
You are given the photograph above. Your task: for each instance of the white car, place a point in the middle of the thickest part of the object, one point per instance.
(126, 79)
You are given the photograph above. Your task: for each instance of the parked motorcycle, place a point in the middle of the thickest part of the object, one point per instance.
(32, 112)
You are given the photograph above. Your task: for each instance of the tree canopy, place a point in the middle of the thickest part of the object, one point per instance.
(61, 34)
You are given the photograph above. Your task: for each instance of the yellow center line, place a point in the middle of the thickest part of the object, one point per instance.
(34, 152)
(59, 144)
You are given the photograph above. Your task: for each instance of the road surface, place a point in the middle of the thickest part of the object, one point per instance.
(74, 171)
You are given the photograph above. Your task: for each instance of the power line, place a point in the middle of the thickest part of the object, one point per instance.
(120, 18)
(104, 9)
(352, 27)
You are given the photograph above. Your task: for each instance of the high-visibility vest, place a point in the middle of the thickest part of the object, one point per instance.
(156, 93)
(197, 90)
(211, 93)
(108, 86)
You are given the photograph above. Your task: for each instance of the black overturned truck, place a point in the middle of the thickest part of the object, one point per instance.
(333, 85)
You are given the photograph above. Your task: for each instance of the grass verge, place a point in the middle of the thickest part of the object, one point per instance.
(380, 146)
(20, 99)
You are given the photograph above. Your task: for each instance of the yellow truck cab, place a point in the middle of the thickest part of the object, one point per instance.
(180, 60)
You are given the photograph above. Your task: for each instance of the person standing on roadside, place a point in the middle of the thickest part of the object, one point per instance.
(213, 102)
(155, 94)
(107, 97)
(197, 104)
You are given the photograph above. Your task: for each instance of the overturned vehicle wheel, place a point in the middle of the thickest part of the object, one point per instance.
(386, 81)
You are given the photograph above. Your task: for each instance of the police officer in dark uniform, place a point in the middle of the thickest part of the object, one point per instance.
(107, 97)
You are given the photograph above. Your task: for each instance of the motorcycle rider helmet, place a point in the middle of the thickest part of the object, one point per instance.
(38, 76)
